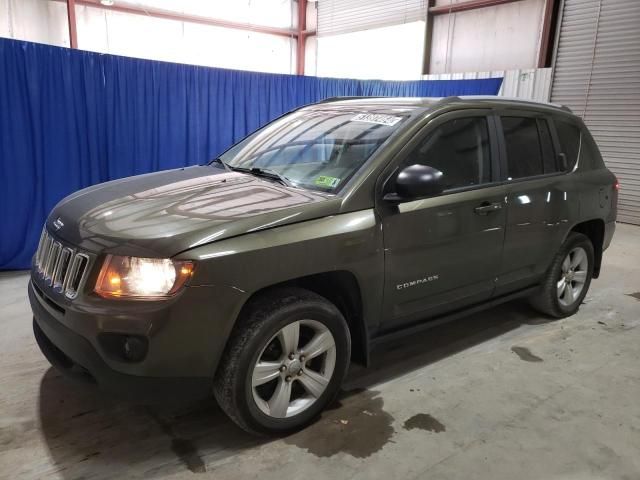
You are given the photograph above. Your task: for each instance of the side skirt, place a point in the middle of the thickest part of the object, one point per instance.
(420, 327)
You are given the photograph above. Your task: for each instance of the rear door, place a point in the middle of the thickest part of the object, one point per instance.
(443, 253)
(541, 197)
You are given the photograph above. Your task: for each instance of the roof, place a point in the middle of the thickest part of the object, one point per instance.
(429, 102)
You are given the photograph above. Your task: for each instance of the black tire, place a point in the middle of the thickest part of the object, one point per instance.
(259, 321)
(546, 300)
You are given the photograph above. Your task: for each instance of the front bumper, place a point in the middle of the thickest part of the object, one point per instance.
(183, 351)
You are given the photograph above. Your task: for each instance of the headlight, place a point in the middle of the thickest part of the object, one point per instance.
(134, 277)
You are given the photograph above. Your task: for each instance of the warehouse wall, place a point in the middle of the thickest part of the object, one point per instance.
(374, 53)
(35, 21)
(386, 38)
(503, 37)
(100, 30)
(370, 39)
(530, 83)
(359, 39)
(597, 74)
(184, 42)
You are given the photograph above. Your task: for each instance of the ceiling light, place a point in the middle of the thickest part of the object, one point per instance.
(107, 3)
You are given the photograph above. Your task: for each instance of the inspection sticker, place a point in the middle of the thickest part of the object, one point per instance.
(378, 118)
(324, 181)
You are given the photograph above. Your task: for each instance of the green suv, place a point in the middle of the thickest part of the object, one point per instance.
(259, 276)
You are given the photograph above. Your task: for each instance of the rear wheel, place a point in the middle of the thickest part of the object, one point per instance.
(574, 270)
(568, 279)
(284, 363)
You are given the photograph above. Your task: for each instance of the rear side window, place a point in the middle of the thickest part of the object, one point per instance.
(529, 147)
(460, 150)
(569, 136)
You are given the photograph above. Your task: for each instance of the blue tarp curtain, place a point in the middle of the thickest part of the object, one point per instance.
(70, 119)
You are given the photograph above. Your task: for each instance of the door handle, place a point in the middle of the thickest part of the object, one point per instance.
(486, 208)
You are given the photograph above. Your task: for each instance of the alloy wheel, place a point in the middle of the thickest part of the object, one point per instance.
(294, 369)
(573, 276)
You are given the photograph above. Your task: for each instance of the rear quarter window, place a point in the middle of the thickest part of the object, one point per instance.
(569, 137)
(589, 152)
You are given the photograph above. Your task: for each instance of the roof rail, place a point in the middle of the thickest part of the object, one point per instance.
(353, 97)
(516, 99)
(445, 100)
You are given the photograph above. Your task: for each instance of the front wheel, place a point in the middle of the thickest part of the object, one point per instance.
(284, 362)
(568, 279)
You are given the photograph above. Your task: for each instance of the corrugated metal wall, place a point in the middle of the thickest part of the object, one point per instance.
(503, 36)
(597, 74)
(530, 84)
(343, 16)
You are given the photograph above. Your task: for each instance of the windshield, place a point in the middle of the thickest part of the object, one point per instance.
(314, 149)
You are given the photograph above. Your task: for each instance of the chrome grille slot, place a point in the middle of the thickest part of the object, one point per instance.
(40, 250)
(43, 254)
(75, 274)
(52, 261)
(62, 268)
(47, 257)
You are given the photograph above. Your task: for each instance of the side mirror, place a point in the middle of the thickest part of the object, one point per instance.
(415, 182)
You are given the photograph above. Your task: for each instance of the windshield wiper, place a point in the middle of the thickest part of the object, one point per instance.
(263, 172)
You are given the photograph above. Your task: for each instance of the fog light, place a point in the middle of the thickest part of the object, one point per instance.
(124, 348)
(134, 348)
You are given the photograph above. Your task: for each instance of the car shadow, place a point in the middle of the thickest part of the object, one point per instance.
(403, 355)
(90, 435)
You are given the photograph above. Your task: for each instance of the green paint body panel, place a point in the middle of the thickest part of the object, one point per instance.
(413, 262)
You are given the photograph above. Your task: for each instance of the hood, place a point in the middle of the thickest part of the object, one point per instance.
(164, 213)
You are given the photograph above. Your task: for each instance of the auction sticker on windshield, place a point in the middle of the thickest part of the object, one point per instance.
(324, 181)
(378, 118)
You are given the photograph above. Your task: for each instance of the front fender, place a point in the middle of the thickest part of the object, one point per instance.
(249, 263)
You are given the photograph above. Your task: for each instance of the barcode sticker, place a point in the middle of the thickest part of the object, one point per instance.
(377, 118)
(324, 181)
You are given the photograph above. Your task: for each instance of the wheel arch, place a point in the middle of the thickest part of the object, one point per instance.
(594, 230)
(340, 287)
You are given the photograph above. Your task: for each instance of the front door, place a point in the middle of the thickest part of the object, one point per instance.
(443, 253)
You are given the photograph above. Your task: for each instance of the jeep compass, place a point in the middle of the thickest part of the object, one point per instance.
(258, 277)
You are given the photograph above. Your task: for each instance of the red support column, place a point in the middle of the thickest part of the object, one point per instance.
(545, 40)
(301, 36)
(71, 17)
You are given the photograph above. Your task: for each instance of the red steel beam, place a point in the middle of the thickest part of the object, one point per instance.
(464, 6)
(545, 39)
(301, 36)
(183, 17)
(71, 18)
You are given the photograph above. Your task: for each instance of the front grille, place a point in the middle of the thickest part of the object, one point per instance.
(61, 267)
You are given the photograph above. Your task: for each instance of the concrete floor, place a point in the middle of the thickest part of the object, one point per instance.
(501, 395)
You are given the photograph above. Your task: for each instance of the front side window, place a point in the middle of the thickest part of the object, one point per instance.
(460, 150)
(315, 149)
